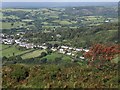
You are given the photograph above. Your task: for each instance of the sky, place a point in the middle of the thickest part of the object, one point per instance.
(60, 0)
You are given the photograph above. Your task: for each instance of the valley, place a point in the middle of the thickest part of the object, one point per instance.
(60, 47)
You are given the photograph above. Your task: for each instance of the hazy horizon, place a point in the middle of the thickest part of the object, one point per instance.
(54, 4)
(61, 1)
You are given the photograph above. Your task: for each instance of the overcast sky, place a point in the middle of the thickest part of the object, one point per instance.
(59, 0)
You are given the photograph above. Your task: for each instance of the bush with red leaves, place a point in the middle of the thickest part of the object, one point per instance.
(102, 52)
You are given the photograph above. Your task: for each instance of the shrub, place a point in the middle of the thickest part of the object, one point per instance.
(43, 54)
(19, 73)
(102, 53)
(4, 58)
(58, 60)
(49, 51)
(44, 60)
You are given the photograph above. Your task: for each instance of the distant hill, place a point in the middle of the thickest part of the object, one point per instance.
(93, 11)
(54, 4)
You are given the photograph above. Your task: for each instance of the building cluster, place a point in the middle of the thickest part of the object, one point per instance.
(20, 42)
(70, 51)
(61, 49)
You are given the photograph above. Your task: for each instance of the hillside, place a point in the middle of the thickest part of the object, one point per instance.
(60, 47)
(55, 76)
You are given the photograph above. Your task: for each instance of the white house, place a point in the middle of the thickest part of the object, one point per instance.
(17, 42)
(2, 35)
(73, 54)
(44, 47)
(78, 49)
(23, 44)
(107, 21)
(8, 41)
(18, 34)
(58, 35)
(68, 53)
(53, 49)
(70, 48)
(64, 47)
(29, 46)
(62, 51)
(86, 50)
(82, 57)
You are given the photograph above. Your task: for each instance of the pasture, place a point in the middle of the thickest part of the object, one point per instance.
(33, 54)
(8, 25)
(53, 56)
(8, 50)
(62, 22)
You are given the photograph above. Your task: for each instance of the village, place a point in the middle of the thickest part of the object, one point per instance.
(63, 49)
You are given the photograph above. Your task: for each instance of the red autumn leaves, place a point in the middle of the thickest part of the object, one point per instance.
(102, 52)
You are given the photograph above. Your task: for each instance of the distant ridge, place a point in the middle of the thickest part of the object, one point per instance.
(54, 4)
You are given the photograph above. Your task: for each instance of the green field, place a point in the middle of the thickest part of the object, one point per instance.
(53, 56)
(33, 54)
(55, 16)
(8, 50)
(10, 17)
(3, 46)
(52, 27)
(27, 20)
(7, 25)
(63, 22)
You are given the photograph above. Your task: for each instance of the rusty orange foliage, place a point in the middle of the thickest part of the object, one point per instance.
(102, 52)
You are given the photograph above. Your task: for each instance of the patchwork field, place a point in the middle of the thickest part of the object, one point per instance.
(63, 22)
(7, 25)
(8, 51)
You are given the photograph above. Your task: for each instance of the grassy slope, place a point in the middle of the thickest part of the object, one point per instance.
(3, 46)
(9, 51)
(53, 56)
(72, 76)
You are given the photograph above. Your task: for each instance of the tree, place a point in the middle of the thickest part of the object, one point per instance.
(4, 58)
(102, 53)
(12, 24)
(44, 60)
(49, 46)
(13, 54)
(43, 54)
(18, 58)
(49, 51)
(56, 45)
